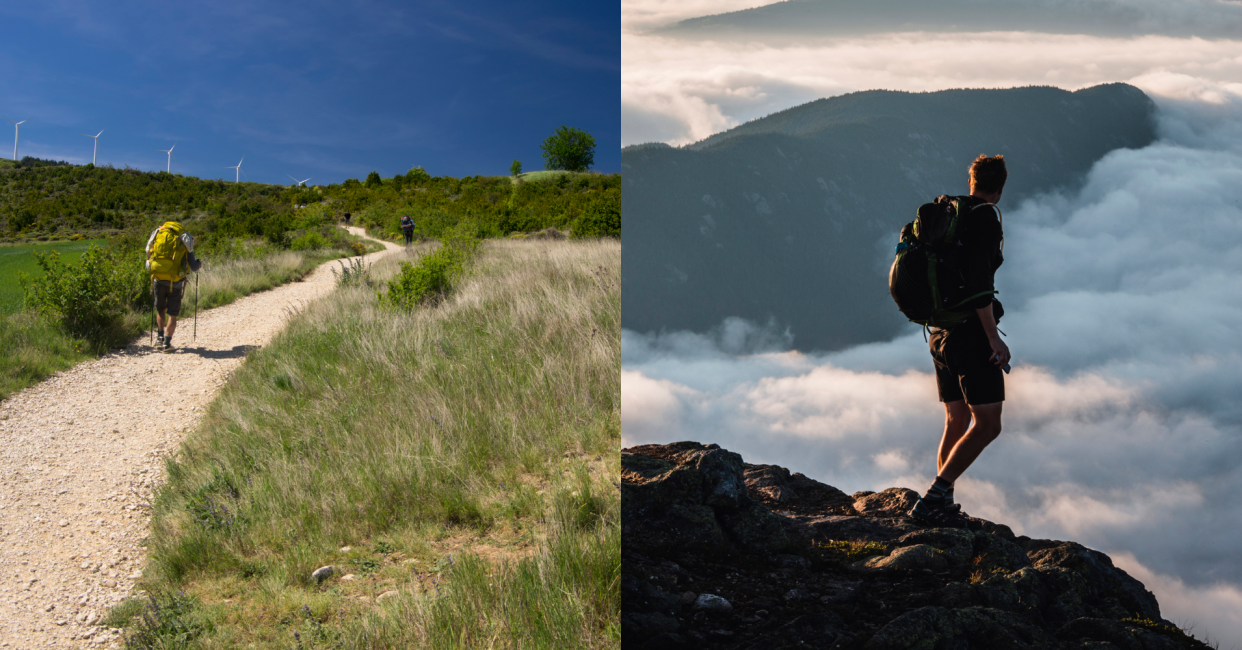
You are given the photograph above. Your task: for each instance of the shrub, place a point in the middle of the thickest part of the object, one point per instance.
(600, 218)
(310, 240)
(429, 280)
(91, 296)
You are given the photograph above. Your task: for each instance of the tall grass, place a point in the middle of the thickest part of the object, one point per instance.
(466, 453)
(225, 282)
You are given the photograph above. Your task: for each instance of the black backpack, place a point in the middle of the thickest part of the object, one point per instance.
(928, 267)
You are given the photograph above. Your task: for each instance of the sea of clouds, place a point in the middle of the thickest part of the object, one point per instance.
(1123, 418)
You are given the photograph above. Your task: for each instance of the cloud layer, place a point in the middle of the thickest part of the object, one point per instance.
(1123, 428)
(681, 91)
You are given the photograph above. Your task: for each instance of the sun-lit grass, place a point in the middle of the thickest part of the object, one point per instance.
(465, 453)
(222, 283)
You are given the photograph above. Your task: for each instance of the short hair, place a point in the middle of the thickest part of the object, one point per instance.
(988, 174)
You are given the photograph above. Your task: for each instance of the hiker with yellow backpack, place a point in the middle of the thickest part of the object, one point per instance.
(170, 258)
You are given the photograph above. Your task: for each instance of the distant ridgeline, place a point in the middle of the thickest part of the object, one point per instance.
(793, 216)
(43, 197)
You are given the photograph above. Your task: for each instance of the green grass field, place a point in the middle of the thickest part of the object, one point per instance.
(21, 259)
(547, 174)
(459, 463)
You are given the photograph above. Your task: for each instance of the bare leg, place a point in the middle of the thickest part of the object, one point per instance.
(159, 319)
(986, 428)
(956, 421)
(172, 327)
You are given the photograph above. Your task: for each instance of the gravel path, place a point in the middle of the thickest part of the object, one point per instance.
(82, 452)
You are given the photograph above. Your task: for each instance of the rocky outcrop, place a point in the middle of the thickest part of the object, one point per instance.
(718, 553)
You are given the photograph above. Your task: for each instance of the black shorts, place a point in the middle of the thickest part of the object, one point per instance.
(964, 369)
(168, 296)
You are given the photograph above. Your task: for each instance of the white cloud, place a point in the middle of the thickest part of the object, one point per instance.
(702, 87)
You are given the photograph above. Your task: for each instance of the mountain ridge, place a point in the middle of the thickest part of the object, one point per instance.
(791, 218)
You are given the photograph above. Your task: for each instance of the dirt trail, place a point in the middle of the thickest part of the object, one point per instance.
(80, 453)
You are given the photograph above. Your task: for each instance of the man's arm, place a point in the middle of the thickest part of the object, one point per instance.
(999, 349)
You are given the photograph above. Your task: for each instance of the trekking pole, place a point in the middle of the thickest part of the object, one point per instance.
(196, 306)
(152, 313)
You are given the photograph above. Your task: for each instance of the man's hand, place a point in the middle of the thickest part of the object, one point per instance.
(1000, 351)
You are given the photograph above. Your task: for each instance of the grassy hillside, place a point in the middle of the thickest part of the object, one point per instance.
(458, 463)
(46, 199)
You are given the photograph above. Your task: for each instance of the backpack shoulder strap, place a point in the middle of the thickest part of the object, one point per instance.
(1000, 217)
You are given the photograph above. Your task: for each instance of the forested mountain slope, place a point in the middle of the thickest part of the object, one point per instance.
(793, 216)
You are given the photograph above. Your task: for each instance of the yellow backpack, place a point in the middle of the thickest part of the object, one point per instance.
(166, 253)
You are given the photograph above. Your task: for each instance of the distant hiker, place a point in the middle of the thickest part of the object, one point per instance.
(170, 258)
(407, 227)
(347, 215)
(962, 239)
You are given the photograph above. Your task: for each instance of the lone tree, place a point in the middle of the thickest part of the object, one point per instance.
(569, 149)
(516, 168)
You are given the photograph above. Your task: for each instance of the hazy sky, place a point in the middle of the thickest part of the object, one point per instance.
(679, 90)
(1123, 425)
(319, 89)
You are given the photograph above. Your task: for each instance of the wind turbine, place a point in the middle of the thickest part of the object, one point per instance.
(94, 137)
(16, 130)
(300, 183)
(238, 168)
(169, 152)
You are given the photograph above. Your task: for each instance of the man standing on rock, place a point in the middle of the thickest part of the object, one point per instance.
(170, 258)
(969, 357)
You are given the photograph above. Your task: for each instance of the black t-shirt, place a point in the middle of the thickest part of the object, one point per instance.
(981, 238)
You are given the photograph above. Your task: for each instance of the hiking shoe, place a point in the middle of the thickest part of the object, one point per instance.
(937, 515)
(168, 346)
(159, 340)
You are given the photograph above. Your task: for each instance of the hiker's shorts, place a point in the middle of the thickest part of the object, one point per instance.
(964, 369)
(168, 296)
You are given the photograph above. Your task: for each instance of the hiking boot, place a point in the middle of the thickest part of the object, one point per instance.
(159, 341)
(168, 346)
(937, 515)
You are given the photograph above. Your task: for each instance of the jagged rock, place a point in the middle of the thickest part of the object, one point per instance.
(958, 545)
(688, 495)
(1103, 579)
(720, 553)
(892, 502)
(973, 627)
(1119, 634)
(713, 603)
(638, 595)
(907, 558)
(769, 481)
(640, 626)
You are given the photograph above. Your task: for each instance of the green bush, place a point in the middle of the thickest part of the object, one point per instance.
(430, 280)
(310, 240)
(91, 296)
(601, 218)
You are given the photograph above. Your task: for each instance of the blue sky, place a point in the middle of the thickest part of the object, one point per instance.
(313, 89)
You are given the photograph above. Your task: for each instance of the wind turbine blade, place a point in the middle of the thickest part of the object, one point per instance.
(7, 118)
(100, 132)
(291, 176)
